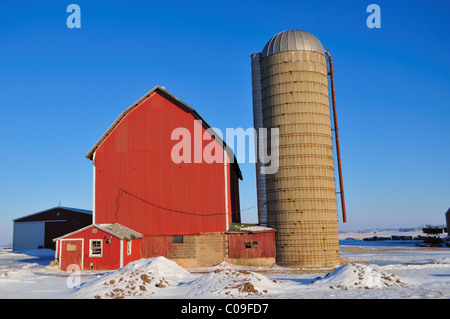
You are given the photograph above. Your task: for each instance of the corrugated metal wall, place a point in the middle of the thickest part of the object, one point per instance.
(29, 235)
(139, 186)
(55, 222)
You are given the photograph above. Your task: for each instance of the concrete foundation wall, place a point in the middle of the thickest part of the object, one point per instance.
(205, 250)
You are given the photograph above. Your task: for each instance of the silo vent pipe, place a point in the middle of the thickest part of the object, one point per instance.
(336, 135)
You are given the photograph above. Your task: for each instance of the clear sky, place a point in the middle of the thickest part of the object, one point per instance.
(61, 88)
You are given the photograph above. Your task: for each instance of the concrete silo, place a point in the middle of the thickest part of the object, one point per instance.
(291, 93)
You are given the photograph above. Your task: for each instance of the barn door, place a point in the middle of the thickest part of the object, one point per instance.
(71, 254)
(29, 235)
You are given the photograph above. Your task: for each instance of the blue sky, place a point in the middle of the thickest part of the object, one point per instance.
(61, 88)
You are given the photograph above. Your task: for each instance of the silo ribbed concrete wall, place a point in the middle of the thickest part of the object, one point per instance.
(258, 124)
(301, 196)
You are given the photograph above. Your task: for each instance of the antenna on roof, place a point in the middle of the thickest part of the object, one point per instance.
(59, 204)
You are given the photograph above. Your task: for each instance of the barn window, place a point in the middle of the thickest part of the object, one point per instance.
(251, 244)
(177, 239)
(128, 247)
(96, 248)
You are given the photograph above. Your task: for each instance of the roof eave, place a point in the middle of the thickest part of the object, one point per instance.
(104, 229)
(83, 211)
(91, 152)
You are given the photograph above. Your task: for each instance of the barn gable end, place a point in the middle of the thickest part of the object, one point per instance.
(138, 184)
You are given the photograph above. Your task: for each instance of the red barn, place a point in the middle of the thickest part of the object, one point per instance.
(138, 184)
(162, 171)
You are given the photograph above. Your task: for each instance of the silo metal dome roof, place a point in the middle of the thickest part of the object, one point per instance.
(292, 40)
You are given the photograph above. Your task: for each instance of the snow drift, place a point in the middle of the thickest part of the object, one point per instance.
(141, 278)
(356, 275)
(157, 277)
(222, 283)
(154, 277)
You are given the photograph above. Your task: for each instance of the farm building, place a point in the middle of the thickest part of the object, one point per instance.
(37, 230)
(447, 220)
(98, 247)
(252, 246)
(160, 170)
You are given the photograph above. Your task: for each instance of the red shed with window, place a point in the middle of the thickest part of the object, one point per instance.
(99, 247)
(253, 245)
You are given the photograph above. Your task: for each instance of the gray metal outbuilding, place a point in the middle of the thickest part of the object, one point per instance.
(37, 230)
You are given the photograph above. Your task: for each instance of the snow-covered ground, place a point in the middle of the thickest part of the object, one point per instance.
(370, 270)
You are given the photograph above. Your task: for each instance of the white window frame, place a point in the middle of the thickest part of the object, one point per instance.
(129, 247)
(90, 248)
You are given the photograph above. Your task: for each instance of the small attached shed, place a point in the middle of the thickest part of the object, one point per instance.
(37, 230)
(98, 247)
(252, 245)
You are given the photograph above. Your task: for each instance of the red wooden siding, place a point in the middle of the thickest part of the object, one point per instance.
(73, 256)
(135, 251)
(153, 246)
(110, 258)
(139, 186)
(265, 245)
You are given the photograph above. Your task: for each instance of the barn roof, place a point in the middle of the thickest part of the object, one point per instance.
(162, 91)
(250, 229)
(116, 230)
(78, 210)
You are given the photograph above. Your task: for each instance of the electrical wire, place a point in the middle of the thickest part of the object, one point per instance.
(124, 191)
